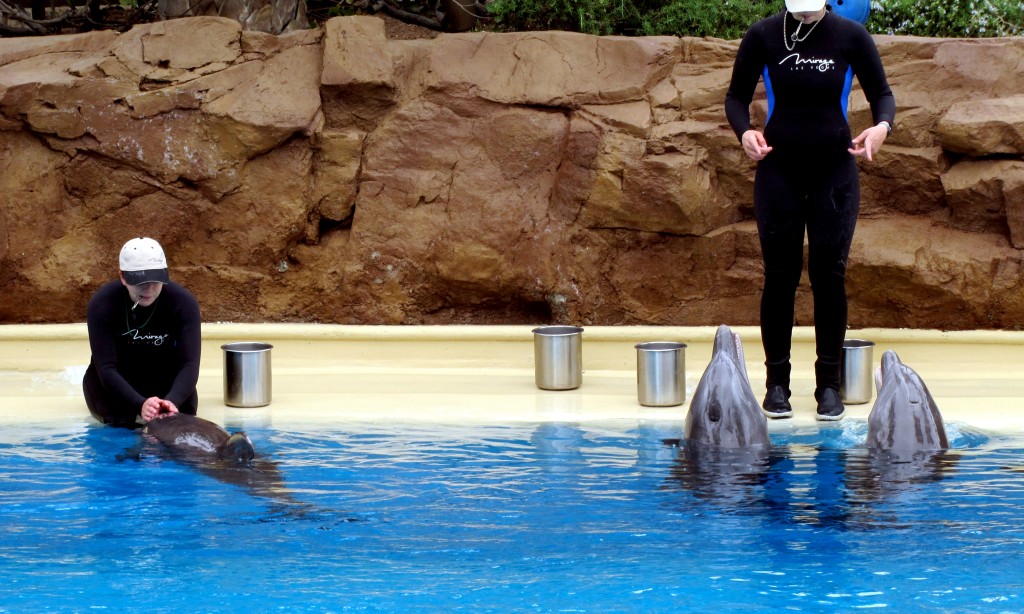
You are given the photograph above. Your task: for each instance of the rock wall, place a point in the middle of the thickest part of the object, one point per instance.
(335, 175)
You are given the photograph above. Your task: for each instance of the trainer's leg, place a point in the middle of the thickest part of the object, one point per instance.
(780, 226)
(830, 226)
(100, 405)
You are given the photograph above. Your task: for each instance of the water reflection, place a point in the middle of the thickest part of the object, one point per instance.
(816, 484)
(558, 442)
(807, 487)
(652, 452)
(875, 475)
(557, 447)
(729, 477)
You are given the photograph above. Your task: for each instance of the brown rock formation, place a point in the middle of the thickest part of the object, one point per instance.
(341, 176)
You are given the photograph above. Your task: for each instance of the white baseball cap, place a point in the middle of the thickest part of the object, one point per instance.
(142, 260)
(804, 6)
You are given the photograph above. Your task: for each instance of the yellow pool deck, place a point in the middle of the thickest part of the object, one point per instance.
(485, 374)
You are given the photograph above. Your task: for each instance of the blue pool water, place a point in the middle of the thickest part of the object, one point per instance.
(532, 518)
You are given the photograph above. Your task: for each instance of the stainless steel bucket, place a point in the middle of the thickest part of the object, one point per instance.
(661, 373)
(557, 355)
(855, 385)
(247, 380)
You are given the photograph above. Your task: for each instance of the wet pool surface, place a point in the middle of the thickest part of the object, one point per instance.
(522, 517)
(420, 468)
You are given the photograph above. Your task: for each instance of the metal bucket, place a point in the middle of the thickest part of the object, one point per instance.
(661, 373)
(247, 374)
(855, 385)
(557, 355)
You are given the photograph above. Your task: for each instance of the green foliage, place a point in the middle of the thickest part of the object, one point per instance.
(588, 16)
(729, 19)
(948, 18)
(343, 8)
(720, 18)
(723, 18)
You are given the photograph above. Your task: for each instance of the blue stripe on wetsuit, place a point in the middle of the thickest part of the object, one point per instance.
(844, 101)
(769, 92)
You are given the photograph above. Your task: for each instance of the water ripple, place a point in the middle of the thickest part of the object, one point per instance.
(530, 516)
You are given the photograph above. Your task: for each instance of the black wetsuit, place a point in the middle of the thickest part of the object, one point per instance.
(146, 352)
(809, 179)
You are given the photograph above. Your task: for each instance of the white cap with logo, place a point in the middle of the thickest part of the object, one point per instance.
(142, 260)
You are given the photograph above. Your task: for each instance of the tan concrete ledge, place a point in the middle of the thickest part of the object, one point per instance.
(485, 374)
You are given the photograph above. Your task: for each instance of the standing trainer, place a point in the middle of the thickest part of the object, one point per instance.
(144, 333)
(806, 176)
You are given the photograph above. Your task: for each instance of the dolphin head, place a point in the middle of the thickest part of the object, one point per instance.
(897, 379)
(904, 416)
(724, 412)
(237, 448)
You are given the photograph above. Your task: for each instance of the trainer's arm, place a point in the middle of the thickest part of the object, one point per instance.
(102, 334)
(189, 347)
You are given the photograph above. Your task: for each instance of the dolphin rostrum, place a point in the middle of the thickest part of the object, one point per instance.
(724, 412)
(904, 418)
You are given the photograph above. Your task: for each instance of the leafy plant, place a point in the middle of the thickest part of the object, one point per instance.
(727, 19)
(730, 18)
(587, 16)
(948, 18)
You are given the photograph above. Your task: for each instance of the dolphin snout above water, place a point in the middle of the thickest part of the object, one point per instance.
(904, 417)
(724, 412)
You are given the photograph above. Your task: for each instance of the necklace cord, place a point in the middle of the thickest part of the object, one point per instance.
(785, 39)
(127, 322)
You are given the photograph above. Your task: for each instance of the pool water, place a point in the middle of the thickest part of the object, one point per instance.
(517, 517)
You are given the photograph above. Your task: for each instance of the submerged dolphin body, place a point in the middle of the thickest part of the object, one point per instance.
(907, 445)
(227, 457)
(724, 412)
(230, 458)
(904, 418)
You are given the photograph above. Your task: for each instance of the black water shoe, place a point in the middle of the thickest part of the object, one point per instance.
(776, 403)
(830, 406)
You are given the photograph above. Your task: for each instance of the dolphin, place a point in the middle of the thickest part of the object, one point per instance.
(192, 437)
(904, 418)
(230, 458)
(906, 444)
(724, 412)
(227, 457)
(725, 453)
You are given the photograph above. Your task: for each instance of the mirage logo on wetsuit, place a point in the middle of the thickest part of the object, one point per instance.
(136, 337)
(821, 64)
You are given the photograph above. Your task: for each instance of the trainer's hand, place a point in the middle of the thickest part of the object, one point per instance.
(155, 407)
(754, 145)
(867, 143)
